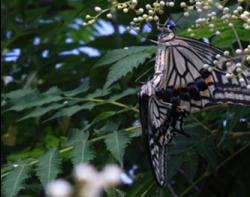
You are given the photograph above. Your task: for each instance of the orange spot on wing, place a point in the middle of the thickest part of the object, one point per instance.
(209, 79)
(204, 93)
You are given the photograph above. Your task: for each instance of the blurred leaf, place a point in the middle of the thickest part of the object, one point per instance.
(14, 182)
(174, 164)
(82, 151)
(191, 164)
(22, 99)
(206, 148)
(124, 66)
(103, 116)
(48, 166)
(118, 54)
(99, 93)
(113, 192)
(38, 112)
(116, 143)
(129, 91)
(81, 89)
(70, 111)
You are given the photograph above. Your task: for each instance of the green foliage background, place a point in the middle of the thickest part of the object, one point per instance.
(87, 110)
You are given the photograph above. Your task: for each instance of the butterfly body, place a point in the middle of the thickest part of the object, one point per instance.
(180, 86)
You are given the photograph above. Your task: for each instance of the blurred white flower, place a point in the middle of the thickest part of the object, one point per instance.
(58, 188)
(85, 173)
(92, 183)
(111, 175)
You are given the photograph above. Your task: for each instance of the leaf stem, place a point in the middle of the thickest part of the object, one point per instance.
(102, 101)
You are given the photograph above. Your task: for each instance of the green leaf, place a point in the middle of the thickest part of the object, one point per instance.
(174, 164)
(14, 182)
(114, 192)
(70, 111)
(118, 54)
(81, 89)
(126, 92)
(99, 93)
(82, 151)
(21, 101)
(104, 115)
(18, 94)
(124, 66)
(38, 112)
(116, 143)
(206, 149)
(191, 164)
(48, 166)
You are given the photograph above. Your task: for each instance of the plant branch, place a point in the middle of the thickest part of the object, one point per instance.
(102, 101)
(4, 173)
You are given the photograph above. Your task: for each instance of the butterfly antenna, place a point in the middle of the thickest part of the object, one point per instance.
(143, 74)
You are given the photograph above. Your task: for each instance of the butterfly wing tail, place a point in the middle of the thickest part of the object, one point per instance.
(159, 159)
(158, 153)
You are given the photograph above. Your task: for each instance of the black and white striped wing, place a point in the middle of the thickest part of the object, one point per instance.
(192, 86)
(154, 113)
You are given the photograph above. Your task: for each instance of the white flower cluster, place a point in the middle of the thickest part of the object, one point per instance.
(89, 182)
(148, 13)
(233, 69)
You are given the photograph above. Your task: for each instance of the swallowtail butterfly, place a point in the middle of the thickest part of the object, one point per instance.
(180, 86)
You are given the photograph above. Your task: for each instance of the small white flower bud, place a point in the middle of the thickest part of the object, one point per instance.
(98, 9)
(226, 53)
(125, 10)
(150, 18)
(162, 3)
(238, 70)
(156, 18)
(109, 15)
(87, 16)
(218, 56)
(134, 2)
(210, 69)
(151, 12)
(206, 66)
(238, 51)
(91, 21)
(239, 8)
(229, 75)
(211, 25)
(220, 7)
(228, 64)
(183, 4)
(238, 64)
(148, 6)
(241, 79)
(171, 4)
(226, 10)
(217, 33)
(140, 10)
(215, 62)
